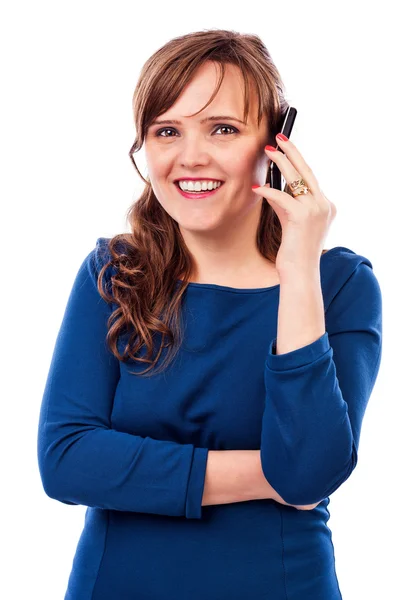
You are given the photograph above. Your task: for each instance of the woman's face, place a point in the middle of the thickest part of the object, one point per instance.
(222, 149)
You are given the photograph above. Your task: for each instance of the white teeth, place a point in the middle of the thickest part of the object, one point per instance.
(198, 186)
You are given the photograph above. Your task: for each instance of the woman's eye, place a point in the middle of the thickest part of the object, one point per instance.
(227, 127)
(158, 134)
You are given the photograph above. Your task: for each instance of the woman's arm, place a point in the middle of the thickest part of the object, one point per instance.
(317, 389)
(237, 476)
(82, 459)
(234, 476)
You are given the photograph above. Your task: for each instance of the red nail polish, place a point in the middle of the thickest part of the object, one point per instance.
(255, 186)
(270, 148)
(282, 137)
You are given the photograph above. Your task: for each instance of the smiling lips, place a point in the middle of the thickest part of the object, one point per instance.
(207, 179)
(197, 193)
(199, 185)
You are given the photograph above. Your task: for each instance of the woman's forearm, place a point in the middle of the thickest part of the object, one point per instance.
(235, 476)
(301, 316)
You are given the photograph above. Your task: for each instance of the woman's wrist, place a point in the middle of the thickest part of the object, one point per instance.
(264, 489)
(234, 476)
(237, 476)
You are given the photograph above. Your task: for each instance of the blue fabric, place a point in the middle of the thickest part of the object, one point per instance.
(134, 450)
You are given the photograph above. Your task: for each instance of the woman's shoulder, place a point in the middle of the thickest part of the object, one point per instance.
(101, 253)
(343, 255)
(342, 267)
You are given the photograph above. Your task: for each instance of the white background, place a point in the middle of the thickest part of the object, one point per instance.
(68, 72)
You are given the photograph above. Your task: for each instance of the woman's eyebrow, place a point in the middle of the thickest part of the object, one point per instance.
(213, 118)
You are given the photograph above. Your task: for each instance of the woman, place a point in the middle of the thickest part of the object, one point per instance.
(207, 474)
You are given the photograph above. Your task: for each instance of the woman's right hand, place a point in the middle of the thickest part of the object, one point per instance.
(278, 498)
(305, 506)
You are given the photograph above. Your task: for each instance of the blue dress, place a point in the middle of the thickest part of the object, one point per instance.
(134, 449)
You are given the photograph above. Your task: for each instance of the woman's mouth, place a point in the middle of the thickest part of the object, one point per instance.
(198, 195)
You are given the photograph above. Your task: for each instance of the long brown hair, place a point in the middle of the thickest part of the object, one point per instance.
(149, 260)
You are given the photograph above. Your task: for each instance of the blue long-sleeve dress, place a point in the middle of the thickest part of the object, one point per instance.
(134, 449)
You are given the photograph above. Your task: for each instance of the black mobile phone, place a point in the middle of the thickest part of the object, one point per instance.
(276, 178)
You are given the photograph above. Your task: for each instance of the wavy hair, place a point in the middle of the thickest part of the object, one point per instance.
(149, 259)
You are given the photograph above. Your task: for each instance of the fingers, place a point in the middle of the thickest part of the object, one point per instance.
(305, 506)
(292, 164)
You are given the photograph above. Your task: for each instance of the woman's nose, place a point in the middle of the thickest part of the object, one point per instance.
(191, 161)
(192, 153)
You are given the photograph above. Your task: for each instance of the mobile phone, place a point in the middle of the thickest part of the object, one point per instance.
(276, 178)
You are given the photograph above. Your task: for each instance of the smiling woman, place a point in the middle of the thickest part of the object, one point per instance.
(172, 228)
(193, 468)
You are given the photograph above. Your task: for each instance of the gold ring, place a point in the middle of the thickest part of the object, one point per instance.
(299, 187)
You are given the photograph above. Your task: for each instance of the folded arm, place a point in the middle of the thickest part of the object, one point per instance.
(316, 396)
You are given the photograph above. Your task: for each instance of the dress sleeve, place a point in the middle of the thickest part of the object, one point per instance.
(316, 396)
(82, 460)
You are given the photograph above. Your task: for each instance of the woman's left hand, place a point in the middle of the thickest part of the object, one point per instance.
(305, 219)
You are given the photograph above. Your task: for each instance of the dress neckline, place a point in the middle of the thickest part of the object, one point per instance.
(215, 286)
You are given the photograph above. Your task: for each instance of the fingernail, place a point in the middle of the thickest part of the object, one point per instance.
(282, 137)
(254, 187)
(270, 148)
